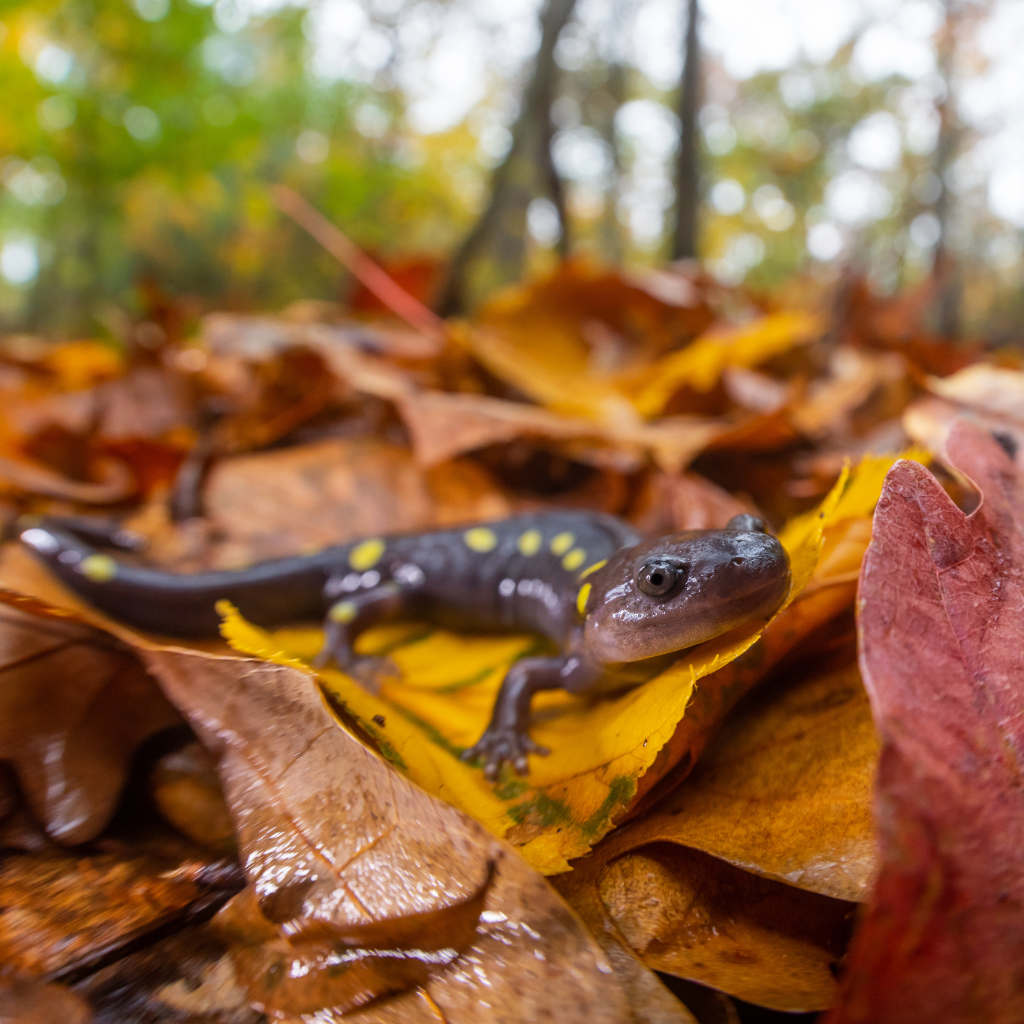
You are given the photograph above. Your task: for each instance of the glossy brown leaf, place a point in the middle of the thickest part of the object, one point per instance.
(344, 856)
(941, 621)
(74, 706)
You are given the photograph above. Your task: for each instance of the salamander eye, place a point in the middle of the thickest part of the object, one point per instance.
(658, 578)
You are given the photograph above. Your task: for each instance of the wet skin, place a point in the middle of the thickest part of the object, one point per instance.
(615, 604)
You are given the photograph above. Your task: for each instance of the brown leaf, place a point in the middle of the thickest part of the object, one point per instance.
(688, 914)
(683, 501)
(294, 500)
(941, 622)
(784, 791)
(73, 708)
(188, 976)
(28, 1001)
(187, 792)
(339, 848)
(63, 912)
(443, 425)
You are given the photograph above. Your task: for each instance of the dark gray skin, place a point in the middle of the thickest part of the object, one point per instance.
(616, 605)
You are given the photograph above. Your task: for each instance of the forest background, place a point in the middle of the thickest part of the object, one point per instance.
(139, 140)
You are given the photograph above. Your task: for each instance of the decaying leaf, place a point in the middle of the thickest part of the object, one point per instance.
(941, 619)
(64, 691)
(29, 1001)
(605, 755)
(187, 976)
(64, 912)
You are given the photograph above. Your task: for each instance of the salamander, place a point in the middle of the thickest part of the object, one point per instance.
(619, 606)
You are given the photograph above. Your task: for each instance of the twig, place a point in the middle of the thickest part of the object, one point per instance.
(362, 268)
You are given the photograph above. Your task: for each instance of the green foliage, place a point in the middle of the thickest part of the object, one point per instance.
(139, 140)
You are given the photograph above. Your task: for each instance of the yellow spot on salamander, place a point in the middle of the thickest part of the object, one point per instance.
(366, 555)
(574, 559)
(98, 568)
(561, 542)
(593, 568)
(480, 539)
(529, 543)
(581, 598)
(343, 612)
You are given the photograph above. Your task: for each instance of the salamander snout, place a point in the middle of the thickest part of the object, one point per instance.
(671, 593)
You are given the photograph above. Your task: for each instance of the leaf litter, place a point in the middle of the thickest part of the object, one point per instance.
(733, 862)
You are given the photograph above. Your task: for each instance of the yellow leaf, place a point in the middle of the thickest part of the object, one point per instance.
(599, 749)
(700, 365)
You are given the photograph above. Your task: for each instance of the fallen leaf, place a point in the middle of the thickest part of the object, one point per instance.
(989, 389)
(688, 914)
(784, 791)
(295, 500)
(940, 622)
(442, 425)
(64, 912)
(29, 1001)
(187, 792)
(188, 976)
(582, 324)
(340, 849)
(683, 501)
(699, 366)
(929, 420)
(64, 692)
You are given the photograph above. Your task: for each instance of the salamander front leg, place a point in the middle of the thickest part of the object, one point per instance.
(346, 619)
(507, 738)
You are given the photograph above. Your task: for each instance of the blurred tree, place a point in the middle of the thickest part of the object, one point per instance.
(494, 252)
(684, 239)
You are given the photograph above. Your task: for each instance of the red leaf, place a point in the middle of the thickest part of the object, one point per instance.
(941, 630)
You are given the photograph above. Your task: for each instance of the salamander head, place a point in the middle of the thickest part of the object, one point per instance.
(673, 592)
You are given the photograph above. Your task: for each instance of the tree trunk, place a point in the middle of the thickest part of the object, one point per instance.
(494, 251)
(944, 269)
(684, 240)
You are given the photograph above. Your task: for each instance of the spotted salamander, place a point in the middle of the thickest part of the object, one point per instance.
(616, 604)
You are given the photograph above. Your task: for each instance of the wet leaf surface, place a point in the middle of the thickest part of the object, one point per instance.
(349, 863)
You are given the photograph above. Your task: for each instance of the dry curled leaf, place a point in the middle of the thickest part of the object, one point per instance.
(688, 914)
(941, 619)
